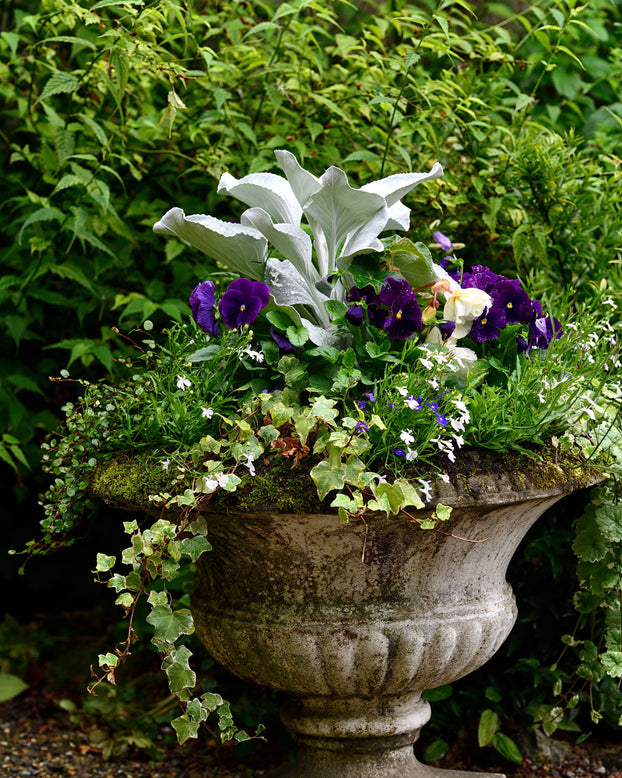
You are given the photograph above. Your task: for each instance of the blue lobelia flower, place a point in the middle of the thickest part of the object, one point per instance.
(242, 301)
(203, 307)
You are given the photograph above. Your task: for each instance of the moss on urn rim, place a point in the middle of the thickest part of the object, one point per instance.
(477, 476)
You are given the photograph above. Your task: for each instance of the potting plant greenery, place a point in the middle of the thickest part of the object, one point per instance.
(330, 348)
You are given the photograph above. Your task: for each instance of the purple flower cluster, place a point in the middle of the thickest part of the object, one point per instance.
(239, 306)
(395, 308)
(510, 305)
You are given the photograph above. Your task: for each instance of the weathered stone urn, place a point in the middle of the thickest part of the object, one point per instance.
(353, 622)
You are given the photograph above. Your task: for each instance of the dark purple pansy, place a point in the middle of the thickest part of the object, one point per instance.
(355, 315)
(203, 307)
(511, 299)
(369, 296)
(447, 328)
(489, 325)
(394, 288)
(281, 341)
(543, 330)
(480, 277)
(443, 241)
(405, 318)
(242, 301)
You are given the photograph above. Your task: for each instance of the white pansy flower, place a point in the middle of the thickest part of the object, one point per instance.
(463, 306)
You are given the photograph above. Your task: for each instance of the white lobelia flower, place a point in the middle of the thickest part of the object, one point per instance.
(343, 221)
(183, 383)
(207, 413)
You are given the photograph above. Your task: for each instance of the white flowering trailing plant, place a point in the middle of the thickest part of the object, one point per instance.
(359, 360)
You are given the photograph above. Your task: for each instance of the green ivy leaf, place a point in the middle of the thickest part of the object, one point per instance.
(327, 478)
(612, 662)
(168, 624)
(194, 547)
(184, 728)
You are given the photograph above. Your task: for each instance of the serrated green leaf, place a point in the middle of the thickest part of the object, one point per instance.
(59, 83)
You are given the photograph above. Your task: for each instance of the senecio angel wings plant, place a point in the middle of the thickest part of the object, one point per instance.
(355, 358)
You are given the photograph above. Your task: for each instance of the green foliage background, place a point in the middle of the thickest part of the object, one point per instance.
(114, 111)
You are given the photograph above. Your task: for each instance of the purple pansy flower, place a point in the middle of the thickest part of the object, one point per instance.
(355, 313)
(405, 318)
(405, 315)
(394, 288)
(242, 301)
(203, 307)
(512, 299)
(282, 341)
(489, 325)
(480, 277)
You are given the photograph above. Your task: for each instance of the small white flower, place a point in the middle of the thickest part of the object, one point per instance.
(459, 440)
(183, 383)
(249, 463)
(165, 464)
(256, 355)
(407, 437)
(402, 390)
(411, 454)
(208, 485)
(445, 478)
(207, 413)
(427, 363)
(223, 479)
(426, 488)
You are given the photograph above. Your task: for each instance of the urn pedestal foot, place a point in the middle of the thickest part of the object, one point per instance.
(360, 738)
(375, 758)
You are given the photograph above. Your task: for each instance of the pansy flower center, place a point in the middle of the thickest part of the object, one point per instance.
(398, 315)
(509, 305)
(242, 308)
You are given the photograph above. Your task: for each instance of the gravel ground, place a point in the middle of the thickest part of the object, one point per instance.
(38, 741)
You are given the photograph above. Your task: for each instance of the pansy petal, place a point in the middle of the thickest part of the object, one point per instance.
(303, 183)
(288, 239)
(242, 249)
(273, 193)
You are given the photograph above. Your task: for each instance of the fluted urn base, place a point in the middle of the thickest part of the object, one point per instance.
(359, 754)
(354, 622)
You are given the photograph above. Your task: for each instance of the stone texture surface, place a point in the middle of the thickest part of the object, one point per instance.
(355, 621)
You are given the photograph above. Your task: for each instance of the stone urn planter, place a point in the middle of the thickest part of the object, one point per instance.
(353, 622)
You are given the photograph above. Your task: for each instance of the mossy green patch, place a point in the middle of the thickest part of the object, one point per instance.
(128, 483)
